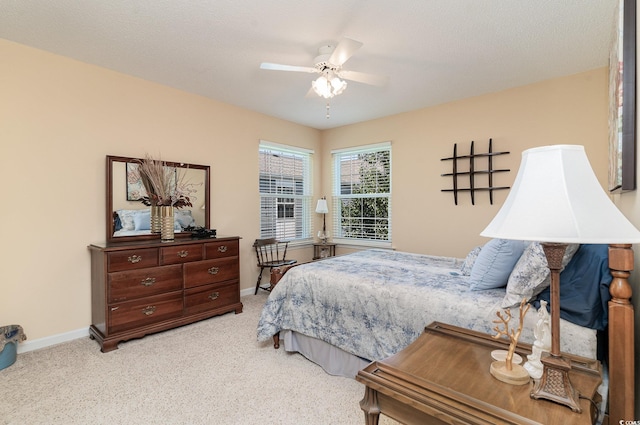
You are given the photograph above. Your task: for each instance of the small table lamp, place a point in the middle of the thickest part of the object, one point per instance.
(322, 208)
(556, 200)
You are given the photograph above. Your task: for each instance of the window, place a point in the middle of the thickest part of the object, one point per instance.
(362, 194)
(285, 192)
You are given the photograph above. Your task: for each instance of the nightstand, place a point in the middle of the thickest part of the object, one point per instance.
(443, 378)
(323, 250)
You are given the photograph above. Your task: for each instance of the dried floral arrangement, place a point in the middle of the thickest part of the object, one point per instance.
(165, 185)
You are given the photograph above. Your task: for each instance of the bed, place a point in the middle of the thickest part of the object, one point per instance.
(346, 311)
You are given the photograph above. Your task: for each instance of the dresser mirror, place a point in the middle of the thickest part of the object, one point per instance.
(123, 200)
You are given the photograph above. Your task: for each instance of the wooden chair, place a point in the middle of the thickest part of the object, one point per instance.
(270, 253)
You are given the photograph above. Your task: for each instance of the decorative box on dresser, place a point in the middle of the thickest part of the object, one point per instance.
(138, 288)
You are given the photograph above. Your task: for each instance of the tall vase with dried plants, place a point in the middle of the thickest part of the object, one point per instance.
(155, 219)
(166, 189)
(167, 233)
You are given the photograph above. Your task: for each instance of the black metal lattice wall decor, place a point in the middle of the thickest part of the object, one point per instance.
(475, 162)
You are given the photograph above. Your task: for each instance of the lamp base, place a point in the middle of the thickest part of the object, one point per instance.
(554, 384)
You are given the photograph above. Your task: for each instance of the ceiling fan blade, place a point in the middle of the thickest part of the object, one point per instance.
(361, 77)
(343, 51)
(279, 67)
(311, 94)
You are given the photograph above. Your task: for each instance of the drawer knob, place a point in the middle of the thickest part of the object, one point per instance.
(149, 310)
(213, 270)
(183, 253)
(134, 259)
(214, 296)
(222, 248)
(148, 281)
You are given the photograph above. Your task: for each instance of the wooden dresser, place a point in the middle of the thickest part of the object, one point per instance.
(443, 378)
(144, 287)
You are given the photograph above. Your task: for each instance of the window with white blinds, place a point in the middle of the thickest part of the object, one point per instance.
(362, 194)
(285, 192)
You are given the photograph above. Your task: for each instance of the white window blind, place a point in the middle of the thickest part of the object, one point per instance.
(285, 192)
(362, 194)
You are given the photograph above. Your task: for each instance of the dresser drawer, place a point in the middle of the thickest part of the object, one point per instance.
(140, 283)
(132, 259)
(132, 314)
(210, 297)
(181, 254)
(221, 249)
(210, 271)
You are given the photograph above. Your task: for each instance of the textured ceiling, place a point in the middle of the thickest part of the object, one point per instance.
(433, 51)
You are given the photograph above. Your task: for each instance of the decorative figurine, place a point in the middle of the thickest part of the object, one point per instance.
(506, 371)
(542, 332)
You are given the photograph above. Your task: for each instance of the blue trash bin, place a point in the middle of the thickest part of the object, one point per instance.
(10, 336)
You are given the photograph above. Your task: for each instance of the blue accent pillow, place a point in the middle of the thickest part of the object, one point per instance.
(494, 263)
(126, 218)
(117, 224)
(142, 220)
(584, 287)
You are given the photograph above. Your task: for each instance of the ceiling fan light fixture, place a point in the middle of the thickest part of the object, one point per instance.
(328, 86)
(319, 86)
(338, 85)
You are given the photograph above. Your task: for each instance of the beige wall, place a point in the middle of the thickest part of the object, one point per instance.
(571, 110)
(59, 118)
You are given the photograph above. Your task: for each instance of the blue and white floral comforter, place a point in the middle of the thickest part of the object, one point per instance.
(376, 302)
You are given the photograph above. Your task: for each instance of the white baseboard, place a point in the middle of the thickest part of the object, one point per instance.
(247, 291)
(48, 341)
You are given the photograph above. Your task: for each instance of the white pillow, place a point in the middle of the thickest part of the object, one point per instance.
(184, 218)
(494, 263)
(530, 276)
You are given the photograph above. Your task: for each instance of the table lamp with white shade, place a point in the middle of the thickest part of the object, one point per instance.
(322, 208)
(557, 200)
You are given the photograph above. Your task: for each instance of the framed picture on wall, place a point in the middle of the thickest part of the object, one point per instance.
(135, 188)
(622, 94)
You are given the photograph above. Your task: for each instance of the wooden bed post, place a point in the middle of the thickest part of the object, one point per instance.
(621, 336)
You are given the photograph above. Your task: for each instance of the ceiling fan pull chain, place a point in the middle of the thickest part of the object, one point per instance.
(328, 113)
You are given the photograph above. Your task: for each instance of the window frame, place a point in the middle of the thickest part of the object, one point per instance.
(337, 185)
(283, 188)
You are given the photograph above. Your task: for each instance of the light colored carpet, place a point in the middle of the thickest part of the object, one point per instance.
(210, 372)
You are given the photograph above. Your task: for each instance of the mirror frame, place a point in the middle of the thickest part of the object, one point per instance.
(109, 204)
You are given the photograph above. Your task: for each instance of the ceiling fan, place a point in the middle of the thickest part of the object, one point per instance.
(328, 64)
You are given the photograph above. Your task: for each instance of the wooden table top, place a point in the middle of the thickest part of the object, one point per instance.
(447, 369)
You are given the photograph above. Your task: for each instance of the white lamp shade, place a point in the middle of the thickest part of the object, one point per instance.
(556, 197)
(321, 207)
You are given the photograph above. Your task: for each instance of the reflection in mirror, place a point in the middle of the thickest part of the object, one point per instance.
(126, 219)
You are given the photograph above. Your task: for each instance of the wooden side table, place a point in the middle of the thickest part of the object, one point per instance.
(323, 250)
(443, 378)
